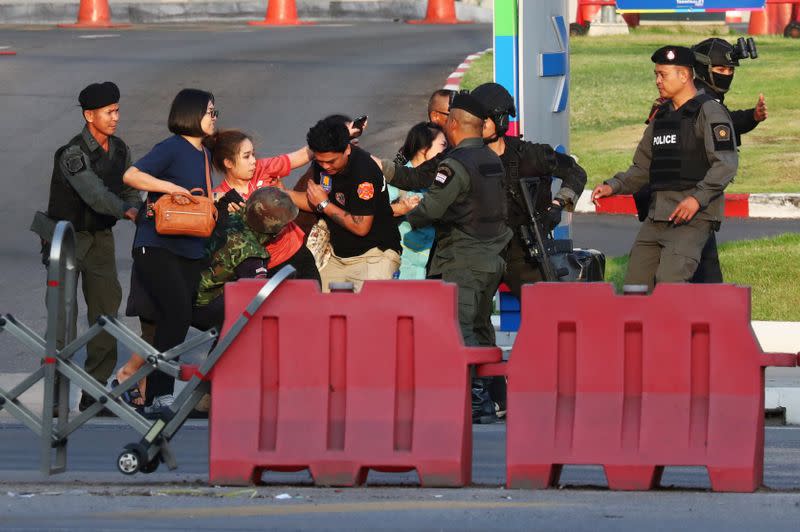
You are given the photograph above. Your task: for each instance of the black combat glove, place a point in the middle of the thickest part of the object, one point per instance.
(552, 217)
(400, 159)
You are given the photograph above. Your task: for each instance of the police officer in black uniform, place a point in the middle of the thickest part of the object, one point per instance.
(688, 156)
(466, 205)
(86, 189)
(526, 159)
(715, 61)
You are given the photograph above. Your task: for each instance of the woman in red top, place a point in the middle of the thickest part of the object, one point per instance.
(233, 155)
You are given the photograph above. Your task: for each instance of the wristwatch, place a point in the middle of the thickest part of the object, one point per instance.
(321, 205)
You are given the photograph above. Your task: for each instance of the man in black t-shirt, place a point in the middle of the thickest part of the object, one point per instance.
(349, 191)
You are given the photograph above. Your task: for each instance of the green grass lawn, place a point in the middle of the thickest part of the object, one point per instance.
(612, 88)
(767, 265)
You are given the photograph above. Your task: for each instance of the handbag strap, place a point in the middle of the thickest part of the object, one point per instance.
(208, 172)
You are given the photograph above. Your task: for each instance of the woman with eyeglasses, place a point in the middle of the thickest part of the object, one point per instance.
(169, 267)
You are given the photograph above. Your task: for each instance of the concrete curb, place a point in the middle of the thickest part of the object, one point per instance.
(453, 82)
(736, 205)
(172, 11)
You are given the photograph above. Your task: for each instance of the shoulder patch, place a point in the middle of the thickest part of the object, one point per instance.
(723, 136)
(366, 191)
(73, 161)
(443, 175)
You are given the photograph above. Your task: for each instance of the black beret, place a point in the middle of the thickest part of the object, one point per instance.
(98, 95)
(470, 104)
(673, 55)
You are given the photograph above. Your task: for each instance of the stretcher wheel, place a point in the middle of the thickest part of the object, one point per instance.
(129, 462)
(150, 466)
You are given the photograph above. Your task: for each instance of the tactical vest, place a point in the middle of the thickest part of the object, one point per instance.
(679, 157)
(66, 204)
(517, 210)
(482, 214)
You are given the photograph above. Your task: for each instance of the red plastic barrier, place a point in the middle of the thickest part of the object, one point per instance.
(737, 205)
(340, 383)
(616, 204)
(636, 383)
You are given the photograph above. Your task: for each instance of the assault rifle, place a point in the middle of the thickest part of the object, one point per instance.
(540, 246)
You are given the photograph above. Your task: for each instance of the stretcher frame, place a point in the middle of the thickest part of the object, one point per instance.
(58, 370)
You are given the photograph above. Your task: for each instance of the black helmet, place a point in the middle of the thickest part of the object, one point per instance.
(715, 52)
(495, 98)
(498, 103)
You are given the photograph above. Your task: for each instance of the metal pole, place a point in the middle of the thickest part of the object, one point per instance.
(62, 277)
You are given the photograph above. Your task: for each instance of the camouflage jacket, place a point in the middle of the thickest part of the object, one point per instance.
(227, 251)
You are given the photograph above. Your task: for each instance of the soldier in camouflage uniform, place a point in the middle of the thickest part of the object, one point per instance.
(239, 252)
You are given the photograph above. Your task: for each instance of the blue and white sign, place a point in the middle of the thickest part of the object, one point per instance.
(672, 6)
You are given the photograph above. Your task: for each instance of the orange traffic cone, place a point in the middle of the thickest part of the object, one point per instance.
(779, 16)
(758, 23)
(280, 13)
(94, 14)
(440, 12)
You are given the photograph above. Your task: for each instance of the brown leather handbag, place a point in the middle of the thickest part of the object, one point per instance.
(196, 218)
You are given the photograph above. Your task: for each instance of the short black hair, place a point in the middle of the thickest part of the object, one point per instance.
(187, 110)
(328, 135)
(344, 119)
(441, 93)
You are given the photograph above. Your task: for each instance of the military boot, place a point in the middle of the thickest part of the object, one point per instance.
(483, 410)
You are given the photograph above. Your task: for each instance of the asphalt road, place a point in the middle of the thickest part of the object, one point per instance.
(93, 496)
(276, 83)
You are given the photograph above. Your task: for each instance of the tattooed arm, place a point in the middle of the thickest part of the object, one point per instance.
(356, 224)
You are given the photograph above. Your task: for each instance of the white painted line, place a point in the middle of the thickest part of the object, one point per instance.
(778, 336)
(451, 87)
(585, 202)
(456, 75)
(4, 47)
(99, 36)
(462, 66)
(786, 397)
(474, 56)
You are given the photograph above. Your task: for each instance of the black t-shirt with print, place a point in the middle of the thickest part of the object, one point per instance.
(359, 189)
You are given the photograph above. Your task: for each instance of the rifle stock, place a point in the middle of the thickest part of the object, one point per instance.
(533, 235)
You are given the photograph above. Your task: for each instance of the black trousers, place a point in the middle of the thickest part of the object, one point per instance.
(213, 315)
(709, 269)
(303, 262)
(171, 283)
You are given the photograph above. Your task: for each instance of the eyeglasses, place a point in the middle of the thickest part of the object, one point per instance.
(213, 112)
